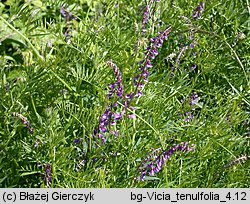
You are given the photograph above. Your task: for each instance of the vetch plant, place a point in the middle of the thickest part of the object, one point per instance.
(150, 54)
(237, 161)
(69, 17)
(198, 10)
(149, 5)
(109, 117)
(193, 101)
(191, 45)
(24, 121)
(48, 174)
(155, 165)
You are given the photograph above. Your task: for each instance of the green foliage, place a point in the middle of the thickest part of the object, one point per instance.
(60, 86)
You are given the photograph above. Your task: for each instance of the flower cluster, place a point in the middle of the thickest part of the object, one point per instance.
(146, 15)
(154, 166)
(24, 121)
(150, 54)
(193, 99)
(183, 48)
(116, 87)
(192, 102)
(191, 45)
(109, 117)
(103, 125)
(236, 161)
(69, 17)
(198, 10)
(188, 116)
(48, 174)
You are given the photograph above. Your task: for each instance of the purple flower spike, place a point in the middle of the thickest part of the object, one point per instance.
(118, 76)
(156, 165)
(194, 98)
(117, 116)
(151, 53)
(63, 12)
(24, 121)
(66, 14)
(193, 67)
(48, 174)
(198, 10)
(149, 65)
(145, 16)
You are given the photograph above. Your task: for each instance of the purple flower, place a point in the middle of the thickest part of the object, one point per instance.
(132, 116)
(192, 45)
(66, 14)
(31, 130)
(189, 117)
(117, 116)
(198, 10)
(118, 84)
(63, 12)
(77, 141)
(193, 67)
(115, 132)
(129, 96)
(151, 53)
(148, 64)
(194, 98)
(154, 166)
(48, 174)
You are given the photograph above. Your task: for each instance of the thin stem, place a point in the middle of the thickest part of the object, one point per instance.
(140, 118)
(224, 40)
(25, 38)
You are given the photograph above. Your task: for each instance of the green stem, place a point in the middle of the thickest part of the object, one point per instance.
(25, 38)
(140, 118)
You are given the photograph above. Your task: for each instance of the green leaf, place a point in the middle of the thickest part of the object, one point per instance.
(29, 173)
(37, 3)
(151, 178)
